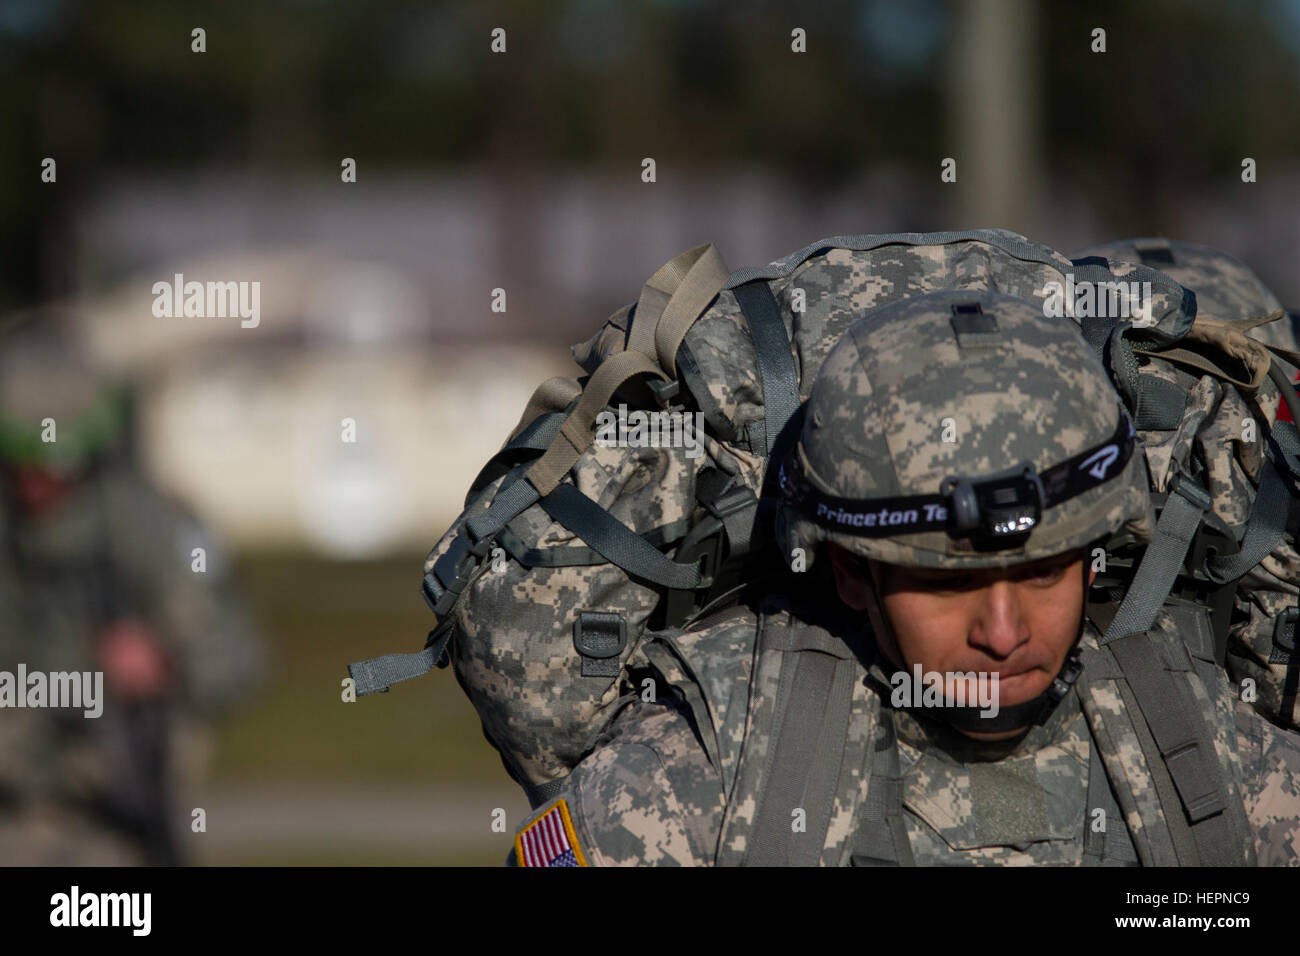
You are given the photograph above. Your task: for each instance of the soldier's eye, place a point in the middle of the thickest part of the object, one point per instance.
(1044, 575)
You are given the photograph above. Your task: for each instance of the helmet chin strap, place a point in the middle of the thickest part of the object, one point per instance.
(1018, 716)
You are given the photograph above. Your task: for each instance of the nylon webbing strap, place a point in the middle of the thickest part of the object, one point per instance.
(882, 833)
(539, 433)
(378, 674)
(616, 541)
(1291, 355)
(1186, 756)
(661, 288)
(824, 774)
(1284, 433)
(552, 395)
(578, 431)
(803, 768)
(1180, 849)
(699, 288)
(1010, 242)
(1094, 843)
(775, 361)
(1164, 556)
(539, 793)
(506, 506)
(1263, 533)
(536, 436)
(1160, 404)
(1096, 330)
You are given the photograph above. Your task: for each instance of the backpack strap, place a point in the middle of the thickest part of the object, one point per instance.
(776, 369)
(1099, 848)
(579, 429)
(1159, 750)
(808, 743)
(803, 767)
(671, 300)
(526, 444)
(1174, 532)
(553, 395)
(882, 831)
(1264, 530)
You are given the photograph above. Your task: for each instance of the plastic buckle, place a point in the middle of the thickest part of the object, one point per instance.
(731, 501)
(665, 392)
(451, 572)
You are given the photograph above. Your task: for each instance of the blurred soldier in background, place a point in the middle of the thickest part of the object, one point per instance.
(99, 572)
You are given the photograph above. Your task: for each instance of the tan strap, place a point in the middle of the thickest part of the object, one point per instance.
(671, 300)
(1291, 355)
(679, 291)
(553, 395)
(700, 287)
(1249, 321)
(1227, 340)
(579, 431)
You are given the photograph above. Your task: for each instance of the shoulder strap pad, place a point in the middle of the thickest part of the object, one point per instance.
(1163, 751)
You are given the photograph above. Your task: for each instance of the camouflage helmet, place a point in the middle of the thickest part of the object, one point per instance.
(44, 376)
(1226, 288)
(962, 430)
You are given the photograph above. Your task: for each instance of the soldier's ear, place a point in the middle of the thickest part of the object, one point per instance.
(852, 585)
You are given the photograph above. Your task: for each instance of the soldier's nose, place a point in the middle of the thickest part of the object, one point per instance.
(999, 626)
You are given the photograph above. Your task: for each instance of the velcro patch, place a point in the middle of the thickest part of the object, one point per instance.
(549, 840)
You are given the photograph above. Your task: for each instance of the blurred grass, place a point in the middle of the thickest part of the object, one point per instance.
(317, 616)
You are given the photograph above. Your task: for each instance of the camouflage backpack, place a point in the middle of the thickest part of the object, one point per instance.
(810, 731)
(571, 546)
(1192, 407)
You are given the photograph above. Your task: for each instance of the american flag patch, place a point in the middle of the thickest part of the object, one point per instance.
(549, 840)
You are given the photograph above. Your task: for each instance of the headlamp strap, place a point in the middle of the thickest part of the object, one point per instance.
(1001, 501)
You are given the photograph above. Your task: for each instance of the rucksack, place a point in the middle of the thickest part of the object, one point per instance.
(569, 550)
(1220, 381)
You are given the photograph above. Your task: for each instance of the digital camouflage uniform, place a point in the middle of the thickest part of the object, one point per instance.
(94, 791)
(648, 794)
(682, 779)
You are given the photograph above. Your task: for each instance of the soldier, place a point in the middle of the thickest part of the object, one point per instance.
(97, 574)
(833, 724)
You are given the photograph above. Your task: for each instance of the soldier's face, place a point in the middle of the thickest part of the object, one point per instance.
(1018, 623)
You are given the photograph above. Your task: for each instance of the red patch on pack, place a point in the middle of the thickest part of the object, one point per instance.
(1284, 413)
